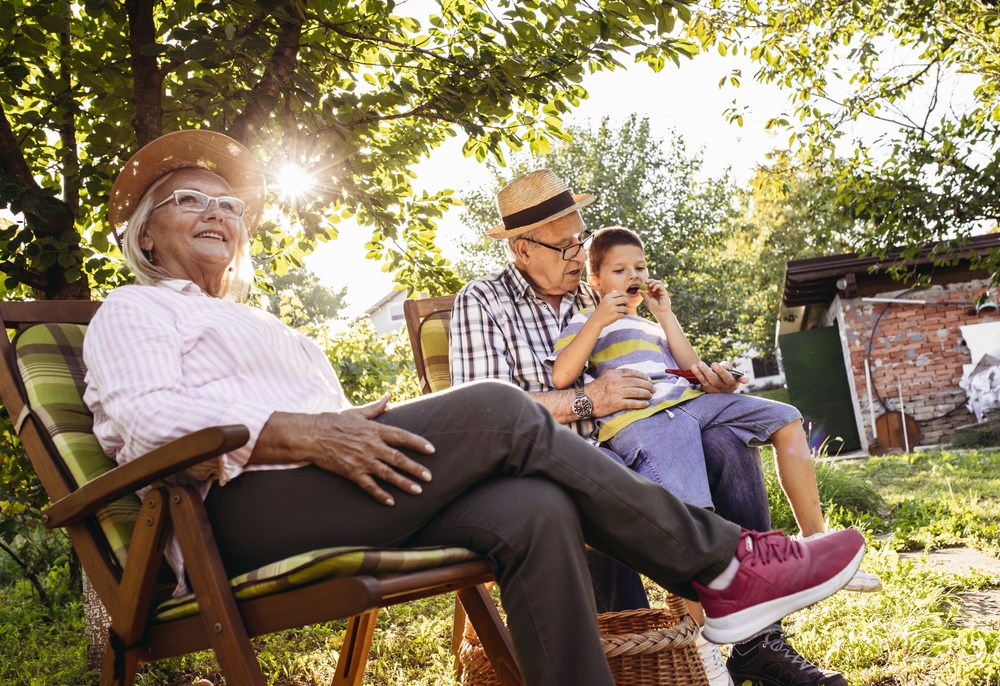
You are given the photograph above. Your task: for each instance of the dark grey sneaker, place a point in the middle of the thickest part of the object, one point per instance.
(769, 660)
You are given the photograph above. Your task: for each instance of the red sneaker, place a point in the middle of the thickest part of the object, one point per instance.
(778, 575)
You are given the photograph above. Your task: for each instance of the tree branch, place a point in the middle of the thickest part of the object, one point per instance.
(67, 127)
(167, 68)
(416, 111)
(280, 67)
(27, 572)
(28, 277)
(337, 28)
(11, 158)
(252, 26)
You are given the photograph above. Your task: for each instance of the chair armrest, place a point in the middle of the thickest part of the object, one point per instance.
(171, 458)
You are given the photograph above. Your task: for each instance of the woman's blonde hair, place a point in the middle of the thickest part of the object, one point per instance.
(236, 283)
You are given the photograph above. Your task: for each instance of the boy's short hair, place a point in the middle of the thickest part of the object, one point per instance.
(607, 238)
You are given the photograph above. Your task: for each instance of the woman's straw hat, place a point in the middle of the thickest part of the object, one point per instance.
(207, 150)
(533, 200)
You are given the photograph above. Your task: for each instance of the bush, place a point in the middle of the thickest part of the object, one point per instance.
(39, 644)
(370, 365)
(27, 549)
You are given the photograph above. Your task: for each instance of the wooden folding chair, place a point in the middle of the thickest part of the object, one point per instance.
(428, 322)
(120, 541)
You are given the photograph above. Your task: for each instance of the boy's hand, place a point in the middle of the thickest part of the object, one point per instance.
(717, 379)
(613, 307)
(657, 299)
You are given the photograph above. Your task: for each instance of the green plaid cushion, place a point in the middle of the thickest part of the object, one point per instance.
(435, 339)
(318, 565)
(50, 362)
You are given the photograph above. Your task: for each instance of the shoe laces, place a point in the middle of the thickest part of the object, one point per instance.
(778, 642)
(764, 547)
(711, 658)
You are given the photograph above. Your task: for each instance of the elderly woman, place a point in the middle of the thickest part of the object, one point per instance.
(177, 352)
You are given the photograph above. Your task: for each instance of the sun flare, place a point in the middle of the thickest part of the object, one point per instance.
(294, 181)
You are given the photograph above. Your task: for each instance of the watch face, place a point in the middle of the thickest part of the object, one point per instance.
(583, 407)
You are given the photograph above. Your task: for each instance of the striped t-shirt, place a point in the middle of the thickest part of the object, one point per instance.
(630, 343)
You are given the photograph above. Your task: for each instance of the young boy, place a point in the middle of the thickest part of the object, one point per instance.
(663, 441)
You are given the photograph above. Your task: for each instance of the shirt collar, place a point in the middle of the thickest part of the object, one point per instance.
(518, 286)
(515, 282)
(182, 286)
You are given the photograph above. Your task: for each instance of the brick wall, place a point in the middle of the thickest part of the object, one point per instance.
(919, 343)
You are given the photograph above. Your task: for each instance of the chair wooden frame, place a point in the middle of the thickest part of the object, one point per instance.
(224, 624)
(415, 311)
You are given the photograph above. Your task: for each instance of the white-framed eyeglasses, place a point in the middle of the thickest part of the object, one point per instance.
(196, 201)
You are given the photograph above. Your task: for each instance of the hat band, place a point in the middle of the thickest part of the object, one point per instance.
(539, 212)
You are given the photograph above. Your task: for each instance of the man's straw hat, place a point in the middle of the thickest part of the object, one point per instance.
(533, 200)
(196, 148)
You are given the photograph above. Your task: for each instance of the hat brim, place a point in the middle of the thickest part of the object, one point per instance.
(500, 232)
(193, 148)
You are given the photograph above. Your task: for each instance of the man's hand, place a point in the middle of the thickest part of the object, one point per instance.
(350, 444)
(716, 379)
(619, 389)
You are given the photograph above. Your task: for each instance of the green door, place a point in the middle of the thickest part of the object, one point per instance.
(818, 387)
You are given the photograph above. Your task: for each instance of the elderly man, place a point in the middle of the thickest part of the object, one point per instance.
(505, 325)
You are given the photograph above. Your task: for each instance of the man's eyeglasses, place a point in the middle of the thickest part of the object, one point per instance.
(570, 251)
(196, 201)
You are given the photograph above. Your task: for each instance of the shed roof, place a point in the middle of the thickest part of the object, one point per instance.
(813, 281)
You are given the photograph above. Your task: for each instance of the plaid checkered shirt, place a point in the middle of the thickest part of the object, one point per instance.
(501, 329)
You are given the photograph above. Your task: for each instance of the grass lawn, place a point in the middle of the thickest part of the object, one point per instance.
(909, 634)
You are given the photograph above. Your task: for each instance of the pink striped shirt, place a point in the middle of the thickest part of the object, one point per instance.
(166, 360)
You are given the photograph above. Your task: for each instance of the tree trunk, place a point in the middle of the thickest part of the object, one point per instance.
(97, 621)
(280, 67)
(146, 79)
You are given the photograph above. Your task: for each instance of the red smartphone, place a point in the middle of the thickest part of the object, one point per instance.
(684, 374)
(689, 375)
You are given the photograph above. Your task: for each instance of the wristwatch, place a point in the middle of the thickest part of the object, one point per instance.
(582, 406)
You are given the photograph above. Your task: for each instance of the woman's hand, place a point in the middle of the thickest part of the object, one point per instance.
(657, 299)
(612, 307)
(348, 443)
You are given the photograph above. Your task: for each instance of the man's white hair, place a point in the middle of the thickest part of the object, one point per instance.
(509, 243)
(236, 282)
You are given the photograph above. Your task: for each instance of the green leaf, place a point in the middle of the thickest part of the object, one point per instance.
(16, 73)
(200, 50)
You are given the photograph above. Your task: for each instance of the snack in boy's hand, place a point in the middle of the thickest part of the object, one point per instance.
(644, 287)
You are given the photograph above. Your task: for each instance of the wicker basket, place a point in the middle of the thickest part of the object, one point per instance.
(643, 647)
